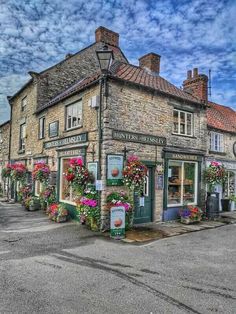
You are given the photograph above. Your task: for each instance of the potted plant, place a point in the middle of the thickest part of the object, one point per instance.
(88, 209)
(122, 199)
(190, 214)
(34, 203)
(62, 214)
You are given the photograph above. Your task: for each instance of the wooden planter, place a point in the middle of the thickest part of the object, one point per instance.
(188, 221)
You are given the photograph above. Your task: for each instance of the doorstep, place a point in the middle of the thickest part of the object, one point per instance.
(156, 231)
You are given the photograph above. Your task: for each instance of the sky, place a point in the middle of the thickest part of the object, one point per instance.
(36, 34)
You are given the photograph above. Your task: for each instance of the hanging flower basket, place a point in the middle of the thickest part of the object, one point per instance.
(77, 174)
(41, 172)
(215, 174)
(19, 172)
(135, 173)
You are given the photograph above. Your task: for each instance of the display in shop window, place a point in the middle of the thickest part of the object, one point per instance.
(115, 165)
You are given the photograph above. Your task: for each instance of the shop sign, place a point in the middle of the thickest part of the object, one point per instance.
(115, 164)
(138, 138)
(180, 156)
(71, 152)
(117, 226)
(159, 167)
(81, 138)
(99, 185)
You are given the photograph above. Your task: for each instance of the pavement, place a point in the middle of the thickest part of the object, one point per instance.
(64, 268)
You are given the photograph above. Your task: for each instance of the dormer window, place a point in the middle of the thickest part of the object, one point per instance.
(216, 142)
(182, 122)
(23, 103)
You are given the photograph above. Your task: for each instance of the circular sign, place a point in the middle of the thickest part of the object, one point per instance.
(234, 149)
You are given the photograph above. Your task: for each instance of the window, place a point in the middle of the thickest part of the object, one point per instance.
(23, 103)
(53, 129)
(74, 115)
(182, 183)
(216, 142)
(22, 137)
(41, 127)
(183, 122)
(38, 187)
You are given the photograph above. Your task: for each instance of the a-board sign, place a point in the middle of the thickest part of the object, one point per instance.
(117, 227)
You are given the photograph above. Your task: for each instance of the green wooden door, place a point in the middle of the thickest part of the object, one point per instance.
(143, 214)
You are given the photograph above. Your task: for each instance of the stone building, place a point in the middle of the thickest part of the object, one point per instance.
(56, 116)
(141, 114)
(4, 148)
(221, 123)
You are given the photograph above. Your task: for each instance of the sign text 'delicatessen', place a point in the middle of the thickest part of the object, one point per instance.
(75, 139)
(138, 138)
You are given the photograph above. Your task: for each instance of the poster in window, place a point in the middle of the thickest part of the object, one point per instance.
(115, 165)
(93, 169)
(53, 129)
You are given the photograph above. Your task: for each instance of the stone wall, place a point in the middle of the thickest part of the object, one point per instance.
(4, 145)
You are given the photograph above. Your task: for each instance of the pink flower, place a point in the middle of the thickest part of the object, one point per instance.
(132, 158)
(76, 162)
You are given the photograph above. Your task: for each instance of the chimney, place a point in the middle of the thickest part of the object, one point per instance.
(107, 36)
(196, 84)
(151, 63)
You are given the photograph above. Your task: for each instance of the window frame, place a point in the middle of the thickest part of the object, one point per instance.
(219, 146)
(43, 129)
(23, 103)
(21, 138)
(186, 113)
(182, 183)
(78, 103)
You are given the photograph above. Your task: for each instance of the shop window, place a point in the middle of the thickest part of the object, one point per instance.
(182, 183)
(22, 137)
(74, 115)
(182, 122)
(66, 192)
(41, 127)
(216, 142)
(23, 103)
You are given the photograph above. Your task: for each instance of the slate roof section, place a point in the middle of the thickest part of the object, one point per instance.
(221, 117)
(129, 73)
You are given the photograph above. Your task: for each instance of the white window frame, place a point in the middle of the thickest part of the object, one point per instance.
(24, 103)
(216, 142)
(22, 137)
(75, 110)
(186, 113)
(182, 183)
(41, 128)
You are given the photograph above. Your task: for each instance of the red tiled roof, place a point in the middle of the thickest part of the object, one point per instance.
(221, 117)
(137, 75)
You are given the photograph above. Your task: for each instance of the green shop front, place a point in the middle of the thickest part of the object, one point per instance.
(182, 182)
(65, 149)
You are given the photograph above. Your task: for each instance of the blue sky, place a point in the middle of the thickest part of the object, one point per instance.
(35, 34)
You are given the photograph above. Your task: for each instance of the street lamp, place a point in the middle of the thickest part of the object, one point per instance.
(105, 57)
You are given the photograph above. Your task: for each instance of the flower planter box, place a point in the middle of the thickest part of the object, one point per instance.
(188, 221)
(61, 219)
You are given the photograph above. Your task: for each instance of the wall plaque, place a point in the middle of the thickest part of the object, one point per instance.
(75, 139)
(115, 164)
(138, 138)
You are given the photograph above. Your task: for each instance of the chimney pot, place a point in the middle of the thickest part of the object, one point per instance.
(189, 74)
(107, 36)
(195, 72)
(151, 63)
